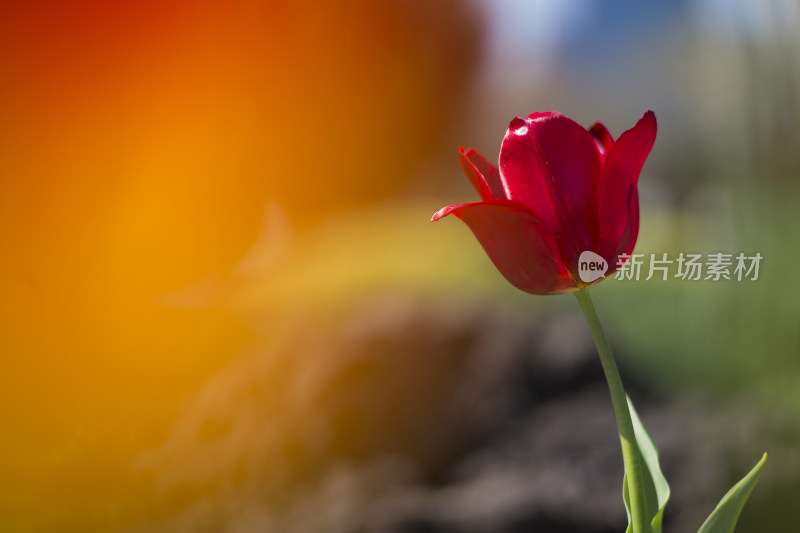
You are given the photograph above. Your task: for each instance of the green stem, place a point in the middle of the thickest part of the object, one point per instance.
(630, 451)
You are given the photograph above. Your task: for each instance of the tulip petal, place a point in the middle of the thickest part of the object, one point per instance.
(519, 243)
(542, 114)
(612, 250)
(524, 173)
(550, 164)
(483, 175)
(620, 175)
(602, 138)
(628, 241)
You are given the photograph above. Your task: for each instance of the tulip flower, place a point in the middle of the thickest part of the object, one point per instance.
(560, 190)
(562, 194)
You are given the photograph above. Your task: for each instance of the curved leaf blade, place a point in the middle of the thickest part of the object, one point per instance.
(657, 490)
(724, 517)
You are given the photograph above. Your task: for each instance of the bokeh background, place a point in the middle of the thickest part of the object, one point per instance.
(223, 308)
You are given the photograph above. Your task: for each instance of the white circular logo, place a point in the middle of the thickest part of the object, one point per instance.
(591, 267)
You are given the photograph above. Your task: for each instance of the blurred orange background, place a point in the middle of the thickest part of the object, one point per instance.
(142, 144)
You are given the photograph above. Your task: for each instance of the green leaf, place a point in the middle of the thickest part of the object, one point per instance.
(655, 485)
(723, 518)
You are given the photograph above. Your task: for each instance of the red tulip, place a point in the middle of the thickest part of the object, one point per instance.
(560, 190)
